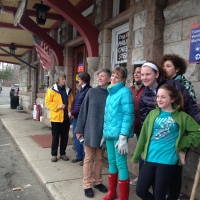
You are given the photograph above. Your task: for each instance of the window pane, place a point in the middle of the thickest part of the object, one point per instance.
(124, 5)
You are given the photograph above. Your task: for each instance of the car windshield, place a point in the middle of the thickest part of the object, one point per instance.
(15, 86)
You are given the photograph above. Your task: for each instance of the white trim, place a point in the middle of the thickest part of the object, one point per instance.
(115, 32)
(115, 7)
(88, 11)
(85, 13)
(138, 62)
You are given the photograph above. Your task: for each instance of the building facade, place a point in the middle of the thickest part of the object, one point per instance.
(129, 31)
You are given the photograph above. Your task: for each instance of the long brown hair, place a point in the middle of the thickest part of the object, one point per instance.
(176, 95)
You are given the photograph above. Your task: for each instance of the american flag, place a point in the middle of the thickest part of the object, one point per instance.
(43, 52)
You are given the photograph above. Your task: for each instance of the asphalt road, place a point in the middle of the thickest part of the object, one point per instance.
(16, 178)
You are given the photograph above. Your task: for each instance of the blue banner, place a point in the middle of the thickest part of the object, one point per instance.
(195, 44)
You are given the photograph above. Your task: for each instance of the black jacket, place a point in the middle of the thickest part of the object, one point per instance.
(76, 104)
(148, 100)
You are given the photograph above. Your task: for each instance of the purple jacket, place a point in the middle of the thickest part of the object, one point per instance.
(148, 100)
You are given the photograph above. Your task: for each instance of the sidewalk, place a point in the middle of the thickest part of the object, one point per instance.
(62, 179)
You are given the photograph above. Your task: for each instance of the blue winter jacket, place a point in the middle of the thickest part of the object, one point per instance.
(119, 112)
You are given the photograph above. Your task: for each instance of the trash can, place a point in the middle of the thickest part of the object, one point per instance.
(14, 102)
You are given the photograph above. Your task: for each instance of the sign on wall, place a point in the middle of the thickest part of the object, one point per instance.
(194, 55)
(119, 49)
(122, 46)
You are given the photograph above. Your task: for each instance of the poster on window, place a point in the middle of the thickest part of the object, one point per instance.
(122, 47)
(80, 68)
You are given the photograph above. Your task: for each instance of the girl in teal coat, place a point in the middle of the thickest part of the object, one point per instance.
(118, 127)
(165, 135)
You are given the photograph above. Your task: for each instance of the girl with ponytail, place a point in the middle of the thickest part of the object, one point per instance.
(162, 143)
(152, 78)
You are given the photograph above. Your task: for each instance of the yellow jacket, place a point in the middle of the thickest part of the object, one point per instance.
(53, 100)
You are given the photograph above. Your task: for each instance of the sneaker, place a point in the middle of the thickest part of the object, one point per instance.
(76, 160)
(89, 192)
(134, 181)
(64, 157)
(101, 188)
(54, 159)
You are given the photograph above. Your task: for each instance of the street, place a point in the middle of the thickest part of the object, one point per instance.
(17, 179)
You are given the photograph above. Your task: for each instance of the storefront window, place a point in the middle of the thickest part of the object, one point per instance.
(80, 64)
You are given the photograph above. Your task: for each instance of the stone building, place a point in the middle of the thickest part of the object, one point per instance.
(129, 31)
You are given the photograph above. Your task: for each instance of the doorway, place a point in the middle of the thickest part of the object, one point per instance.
(80, 64)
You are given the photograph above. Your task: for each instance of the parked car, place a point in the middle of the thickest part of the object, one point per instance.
(0, 87)
(14, 90)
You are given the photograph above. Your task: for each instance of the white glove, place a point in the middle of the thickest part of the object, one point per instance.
(102, 143)
(122, 144)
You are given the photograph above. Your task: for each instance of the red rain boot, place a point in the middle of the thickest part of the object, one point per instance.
(124, 189)
(112, 186)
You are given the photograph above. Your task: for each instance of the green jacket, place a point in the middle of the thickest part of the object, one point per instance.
(189, 133)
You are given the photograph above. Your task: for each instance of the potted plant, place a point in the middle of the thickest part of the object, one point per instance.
(42, 87)
(28, 87)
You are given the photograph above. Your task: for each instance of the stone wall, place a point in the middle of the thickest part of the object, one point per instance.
(179, 16)
(24, 96)
(178, 19)
(34, 77)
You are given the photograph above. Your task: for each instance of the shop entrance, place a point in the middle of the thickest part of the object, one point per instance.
(80, 64)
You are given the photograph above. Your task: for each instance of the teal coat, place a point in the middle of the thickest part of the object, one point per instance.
(119, 112)
(186, 125)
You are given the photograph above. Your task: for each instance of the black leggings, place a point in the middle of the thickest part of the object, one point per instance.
(59, 130)
(158, 175)
(176, 183)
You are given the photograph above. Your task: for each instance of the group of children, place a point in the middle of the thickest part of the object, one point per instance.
(166, 131)
(161, 105)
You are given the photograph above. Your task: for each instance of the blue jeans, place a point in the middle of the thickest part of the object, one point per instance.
(78, 146)
(117, 162)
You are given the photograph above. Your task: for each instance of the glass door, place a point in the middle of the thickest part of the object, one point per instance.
(80, 65)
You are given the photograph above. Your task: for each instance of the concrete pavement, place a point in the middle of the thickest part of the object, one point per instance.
(62, 179)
